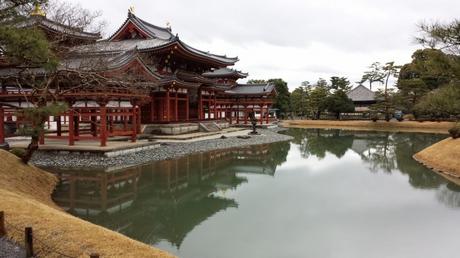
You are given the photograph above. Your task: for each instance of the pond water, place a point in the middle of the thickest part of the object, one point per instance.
(327, 193)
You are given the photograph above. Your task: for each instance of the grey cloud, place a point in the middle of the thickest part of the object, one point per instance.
(349, 27)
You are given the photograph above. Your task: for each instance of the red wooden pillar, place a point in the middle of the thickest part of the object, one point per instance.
(176, 107)
(77, 124)
(71, 128)
(134, 125)
(200, 105)
(215, 105)
(262, 113)
(230, 110)
(58, 125)
(41, 138)
(103, 121)
(268, 114)
(245, 114)
(2, 125)
(237, 112)
(152, 109)
(93, 120)
(139, 124)
(168, 105)
(187, 108)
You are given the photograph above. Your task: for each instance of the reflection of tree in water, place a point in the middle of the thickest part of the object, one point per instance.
(406, 146)
(449, 194)
(380, 152)
(316, 142)
(277, 153)
(383, 151)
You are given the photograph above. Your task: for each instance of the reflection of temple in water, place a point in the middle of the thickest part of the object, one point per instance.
(165, 199)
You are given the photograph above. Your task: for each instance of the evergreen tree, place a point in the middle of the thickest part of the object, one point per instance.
(374, 74)
(282, 102)
(317, 98)
(338, 102)
(299, 100)
(429, 70)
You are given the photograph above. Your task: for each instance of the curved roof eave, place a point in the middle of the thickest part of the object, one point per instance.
(221, 60)
(142, 26)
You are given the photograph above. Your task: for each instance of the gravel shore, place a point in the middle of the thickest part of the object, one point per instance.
(166, 151)
(10, 250)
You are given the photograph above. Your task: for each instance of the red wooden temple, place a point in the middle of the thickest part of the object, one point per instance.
(152, 77)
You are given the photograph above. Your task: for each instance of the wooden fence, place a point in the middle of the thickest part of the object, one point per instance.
(29, 240)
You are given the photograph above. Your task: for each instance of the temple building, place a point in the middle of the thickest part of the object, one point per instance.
(362, 98)
(150, 77)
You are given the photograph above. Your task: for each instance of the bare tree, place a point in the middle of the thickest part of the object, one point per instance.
(74, 15)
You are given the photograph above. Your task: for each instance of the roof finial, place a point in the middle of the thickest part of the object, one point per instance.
(38, 11)
(168, 26)
(131, 9)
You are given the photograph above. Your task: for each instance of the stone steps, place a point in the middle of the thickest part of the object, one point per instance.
(210, 127)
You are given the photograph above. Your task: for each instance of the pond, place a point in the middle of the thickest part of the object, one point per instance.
(327, 193)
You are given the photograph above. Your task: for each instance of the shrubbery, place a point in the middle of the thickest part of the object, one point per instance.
(441, 103)
(409, 117)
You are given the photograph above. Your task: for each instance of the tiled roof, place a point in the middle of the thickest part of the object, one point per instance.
(158, 37)
(152, 31)
(252, 89)
(121, 46)
(100, 62)
(225, 72)
(57, 27)
(361, 93)
(85, 63)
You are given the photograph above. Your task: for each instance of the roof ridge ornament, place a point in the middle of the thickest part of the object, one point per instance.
(38, 11)
(168, 26)
(131, 9)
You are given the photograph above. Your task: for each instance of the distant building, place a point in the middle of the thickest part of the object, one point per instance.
(362, 98)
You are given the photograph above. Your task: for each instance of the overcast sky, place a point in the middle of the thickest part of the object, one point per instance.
(291, 39)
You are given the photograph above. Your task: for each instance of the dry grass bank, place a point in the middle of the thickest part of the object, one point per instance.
(443, 157)
(406, 126)
(25, 198)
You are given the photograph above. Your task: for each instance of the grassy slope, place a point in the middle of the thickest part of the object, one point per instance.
(25, 198)
(443, 156)
(406, 126)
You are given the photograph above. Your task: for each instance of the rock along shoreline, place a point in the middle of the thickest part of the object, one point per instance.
(164, 152)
